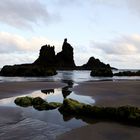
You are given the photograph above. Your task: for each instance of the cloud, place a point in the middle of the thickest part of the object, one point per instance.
(16, 58)
(134, 5)
(23, 13)
(67, 2)
(16, 43)
(15, 49)
(126, 45)
(122, 52)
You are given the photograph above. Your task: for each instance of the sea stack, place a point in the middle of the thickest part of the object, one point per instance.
(94, 64)
(65, 58)
(46, 56)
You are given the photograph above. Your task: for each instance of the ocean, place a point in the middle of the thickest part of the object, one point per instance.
(75, 76)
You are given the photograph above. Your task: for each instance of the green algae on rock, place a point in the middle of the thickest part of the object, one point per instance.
(38, 103)
(24, 101)
(127, 114)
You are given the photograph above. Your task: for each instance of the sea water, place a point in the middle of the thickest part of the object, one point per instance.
(75, 75)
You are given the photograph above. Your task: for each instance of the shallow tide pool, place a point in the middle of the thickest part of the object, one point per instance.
(51, 116)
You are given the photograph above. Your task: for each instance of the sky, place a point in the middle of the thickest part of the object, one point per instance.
(106, 29)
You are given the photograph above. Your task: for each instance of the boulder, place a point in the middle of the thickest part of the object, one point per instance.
(102, 72)
(24, 101)
(71, 106)
(38, 103)
(94, 64)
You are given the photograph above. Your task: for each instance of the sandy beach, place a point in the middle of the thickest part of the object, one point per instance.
(107, 93)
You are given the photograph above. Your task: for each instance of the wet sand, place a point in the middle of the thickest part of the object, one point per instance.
(108, 93)
(111, 93)
(103, 131)
(10, 89)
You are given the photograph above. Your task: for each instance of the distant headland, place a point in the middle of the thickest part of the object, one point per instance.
(48, 62)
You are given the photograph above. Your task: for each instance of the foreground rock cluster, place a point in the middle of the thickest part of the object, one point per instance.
(70, 107)
(38, 103)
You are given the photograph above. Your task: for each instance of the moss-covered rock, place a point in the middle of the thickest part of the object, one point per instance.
(24, 101)
(127, 114)
(38, 101)
(71, 106)
(41, 107)
(54, 105)
(47, 106)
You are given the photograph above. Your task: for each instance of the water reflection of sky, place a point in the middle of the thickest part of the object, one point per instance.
(51, 116)
(57, 96)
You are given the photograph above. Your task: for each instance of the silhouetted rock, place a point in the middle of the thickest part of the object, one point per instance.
(46, 56)
(94, 63)
(43, 66)
(27, 70)
(47, 62)
(103, 72)
(64, 59)
(128, 73)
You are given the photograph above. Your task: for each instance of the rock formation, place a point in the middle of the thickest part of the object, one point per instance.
(29, 70)
(98, 68)
(65, 58)
(102, 72)
(46, 56)
(47, 62)
(94, 63)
